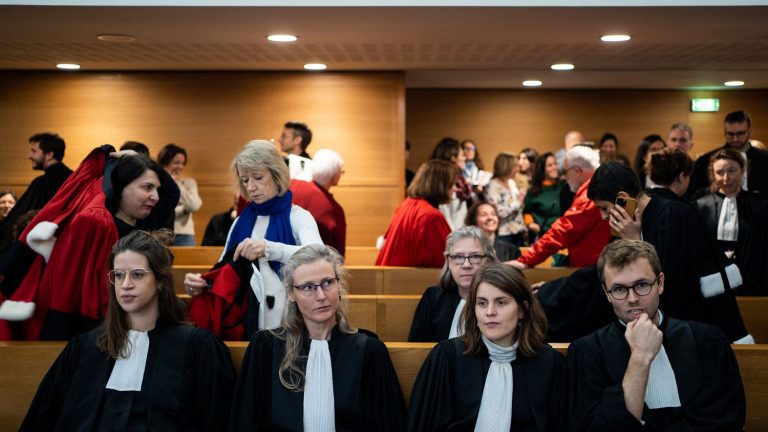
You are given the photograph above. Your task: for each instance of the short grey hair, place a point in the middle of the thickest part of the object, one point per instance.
(326, 164)
(262, 154)
(583, 157)
(468, 231)
(683, 127)
(472, 232)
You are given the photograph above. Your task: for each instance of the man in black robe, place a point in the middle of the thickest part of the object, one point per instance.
(46, 152)
(648, 371)
(700, 281)
(738, 127)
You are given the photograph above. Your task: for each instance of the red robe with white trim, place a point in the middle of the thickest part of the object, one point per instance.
(73, 281)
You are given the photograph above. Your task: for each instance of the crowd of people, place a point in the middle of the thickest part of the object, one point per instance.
(139, 357)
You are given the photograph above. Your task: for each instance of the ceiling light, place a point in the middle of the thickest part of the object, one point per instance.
(615, 38)
(281, 38)
(562, 66)
(733, 83)
(116, 38)
(315, 66)
(68, 66)
(532, 83)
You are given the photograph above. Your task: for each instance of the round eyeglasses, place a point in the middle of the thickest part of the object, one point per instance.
(310, 289)
(117, 277)
(642, 288)
(473, 259)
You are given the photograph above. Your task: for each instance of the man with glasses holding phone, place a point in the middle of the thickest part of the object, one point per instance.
(738, 128)
(648, 371)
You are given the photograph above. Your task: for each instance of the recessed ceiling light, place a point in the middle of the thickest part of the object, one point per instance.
(562, 66)
(281, 38)
(532, 83)
(116, 38)
(733, 83)
(315, 66)
(615, 38)
(68, 66)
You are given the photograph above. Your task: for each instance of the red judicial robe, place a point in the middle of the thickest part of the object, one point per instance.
(65, 292)
(328, 213)
(415, 237)
(72, 278)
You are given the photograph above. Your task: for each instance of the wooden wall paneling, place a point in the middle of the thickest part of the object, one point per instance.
(509, 120)
(212, 115)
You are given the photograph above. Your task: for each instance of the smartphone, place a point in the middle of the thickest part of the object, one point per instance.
(629, 205)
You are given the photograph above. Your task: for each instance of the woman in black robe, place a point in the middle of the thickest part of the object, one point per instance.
(437, 315)
(729, 213)
(144, 368)
(316, 373)
(501, 357)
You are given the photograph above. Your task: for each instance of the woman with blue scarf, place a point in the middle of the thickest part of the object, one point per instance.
(265, 235)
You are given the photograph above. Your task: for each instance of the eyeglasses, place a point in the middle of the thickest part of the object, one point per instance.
(736, 134)
(473, 259)
(310, 289)
(565, 171)
(642, 288)
(117, 277)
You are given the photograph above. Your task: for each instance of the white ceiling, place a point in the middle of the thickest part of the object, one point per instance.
(452, 47)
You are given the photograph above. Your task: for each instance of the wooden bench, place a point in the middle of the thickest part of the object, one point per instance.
(209, 255)
(390, 315)
(23, 364)
(354, 255)
(388, 280)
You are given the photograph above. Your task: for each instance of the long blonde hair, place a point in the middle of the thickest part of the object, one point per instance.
(293, 329)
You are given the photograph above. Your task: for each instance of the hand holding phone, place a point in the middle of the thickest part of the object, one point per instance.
(630, 206)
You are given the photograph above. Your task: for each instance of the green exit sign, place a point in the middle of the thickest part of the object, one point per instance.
(705, 105)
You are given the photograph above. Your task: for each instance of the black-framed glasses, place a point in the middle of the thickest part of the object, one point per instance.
(117, 277)
(473, 259)
(642, 288)
(310, 289)
(739, 134)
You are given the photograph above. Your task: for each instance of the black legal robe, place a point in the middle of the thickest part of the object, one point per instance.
(687, 253)
(187, 385)
(750, 240)
(447, 392)
(434, 315)
(366, 392)
(707, 375)
(505, 251)
(575, 305)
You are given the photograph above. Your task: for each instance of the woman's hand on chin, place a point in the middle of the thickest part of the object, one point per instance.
(250, 249)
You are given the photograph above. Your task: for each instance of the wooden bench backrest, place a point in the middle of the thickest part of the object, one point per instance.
(390, 316)
(354, 256)
(209, 255)
(23, 364)
(388, 280)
